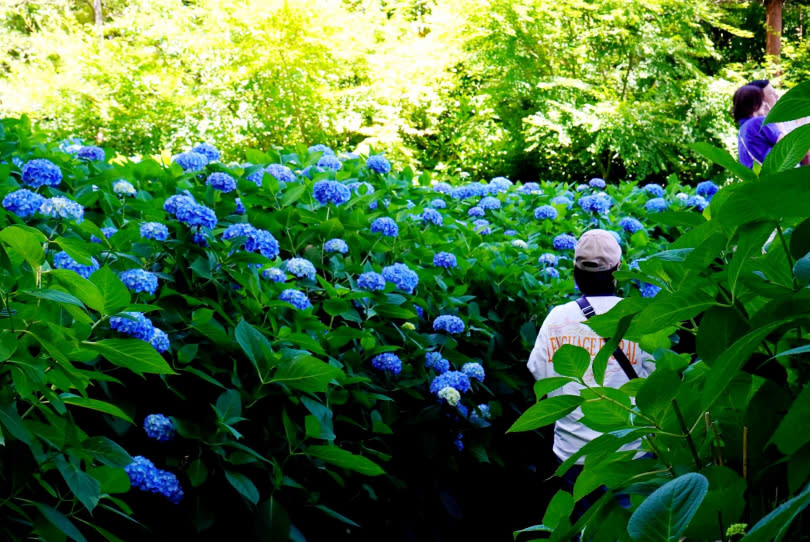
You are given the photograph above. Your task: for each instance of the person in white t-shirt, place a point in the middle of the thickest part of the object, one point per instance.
(597, 256)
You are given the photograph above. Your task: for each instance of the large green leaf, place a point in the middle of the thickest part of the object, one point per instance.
(115, 293)
(725, 499)
(719, 328)
(85, 488)
(306, 373)
(79, 287)
(75, 248)
(605, 409)
(545, 412)
(750, 239)
(56, 296)
(108, 452)
(788, 152)
(243, 485)
(788, 437)
(27, 242)
(134, 354)
(666, 513)
(795, 104)
(669, 309)
(723, 158)
(545, 385)
(61, 522)
(95, 404)
(573, 361)
(256, 346)
(775, 525)
(345, 459)
(773, 198)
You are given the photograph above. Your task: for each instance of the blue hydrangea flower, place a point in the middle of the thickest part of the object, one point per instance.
(445, 260)
(401, 276)
(707, 189)
(510, 233)
(656, 205)
(173, 203)
(489, 203)
(361, 188)
(301, 268)
(582, 187)
(481, 415)
(197, 215)
(420, 312)
(564, 242)
(551, 272)
(473, 370)
(680, 196)
(137, 325)
(458, 442)
(326, 192)
(649, 290)
(697, 201)
(60, 207)
(222, 182)
(199, 238)
(378, 164)
(145, 476)
(438, 204)
(256, 240)
(545, 212)
(90, 152)
(655, 191)
(385, 226)
(139, 280)
(275, 274)
(548, 259)
(122, 187)
(61, 260)
(108, 232)
(442, 188)
(371, 281)
(470, 190)
(387, 361)
(630, 224)
(191, 161)
(449, 323)
(435, 361)
(154, 230)
(482, 226)
(598, 203)
(329, 161)
(500, 184)
(454, 379)
(321, 148)
(210, 152)
(596, 182)
(70, 145)
(562, 200)
(23, 202)
(336, 245)
(476, 211)
(432, 216)
(41, 172)
(160, 340)
(158, 427)
(529, 188)
(240, 209)
(296, 298)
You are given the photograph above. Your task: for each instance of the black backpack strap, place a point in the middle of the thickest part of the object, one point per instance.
(624, 363)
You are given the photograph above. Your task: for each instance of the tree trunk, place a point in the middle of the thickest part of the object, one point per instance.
(100, 20)
(773, 29)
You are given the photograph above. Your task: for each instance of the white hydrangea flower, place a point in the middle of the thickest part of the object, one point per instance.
(519, 243)
(450, 395)
(123, 188)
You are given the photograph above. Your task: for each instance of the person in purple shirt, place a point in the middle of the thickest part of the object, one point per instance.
(755, 139)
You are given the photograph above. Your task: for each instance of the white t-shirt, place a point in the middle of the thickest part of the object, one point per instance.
(564, 325)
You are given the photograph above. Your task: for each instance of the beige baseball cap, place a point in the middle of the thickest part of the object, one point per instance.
(597, 250)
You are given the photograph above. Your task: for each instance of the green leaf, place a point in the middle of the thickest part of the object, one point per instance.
(256, 347)
(306, 373)
(795, 104)
(546, 412)
(331, 228)
(787, 438)
(774, 526)
(134, 354)
(10, 419)
(112, 480)
(85, 488)
(605, 409)
(719, 328)
(665, 514)
(789, 151)
(725, 499)
(106, 451)
(197, 473)
(394, 311)
(203, 321)
(27, 242)
(657, 391)
(773, 198)
(56, 296)
(60, 521)
(115, 294)
(345, 459)
(75, 248)
(243, 485)
(229, 405)
(546, 385)
(571, 361)
(724, 158)
(293, 193)
(559, 509)
(800, 240)
(79, 287)
(669, 309)
(340, 517)
(750, 240)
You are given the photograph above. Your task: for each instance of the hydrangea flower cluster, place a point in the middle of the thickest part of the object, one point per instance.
(630, 224)
(449, 395)
(210, 152)
(387, 361)
(482, 226)
(442, 188)
(188, 211)
(656, 205)
(500, 184)
(221, 181)
(190, 161)
(489, 203)
(329, 161)
(698, 202)
(649, 290)
(438, 204)
(519, 243)
(481, 415)
(336, 245)
(564, 241)
(326, 192)
(529, 188)
(371, 281)
(41, 172)
(108, 232)
(137, 325)
(155, 231)
(596, 182)
(145, 476)
(23, 202)
(60, 207)
(90, 152)
(470, 190)
(240, 209)
(61, 260)
(545, 212)
(256, 240)
(707, 189)
(301, 268)
(476, 211)
(158, 427)
(449, 323)
(139, 280)
(432, 216)
(385, 226)
(401, 276)
(160, 340)
(655, 190)
(296, 298)
(378, 164)
(122, 187)
(453, 379)
(562, 200)
(598, 203)
(446, 260)
(548, 259)
(320, 147)
(474, 370)
(275, 274)
(435, 361)
(551, 272)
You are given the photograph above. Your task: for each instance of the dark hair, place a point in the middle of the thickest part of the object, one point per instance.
(759, 83)
(746, 100)
(595, 282)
